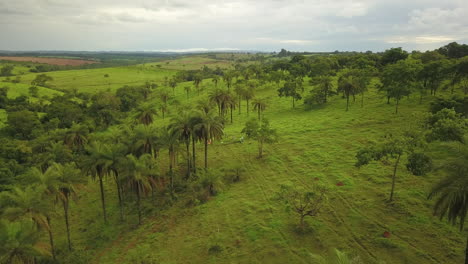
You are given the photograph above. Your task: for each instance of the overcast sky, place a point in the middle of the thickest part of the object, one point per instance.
(264, 25)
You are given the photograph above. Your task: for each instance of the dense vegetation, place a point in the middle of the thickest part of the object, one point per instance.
(168, 163)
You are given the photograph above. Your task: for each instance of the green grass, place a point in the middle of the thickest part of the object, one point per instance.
(93, 80)
(19, 89)
(247, 224)
(191, 63)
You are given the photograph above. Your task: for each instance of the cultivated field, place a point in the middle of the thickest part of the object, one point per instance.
(52, 61)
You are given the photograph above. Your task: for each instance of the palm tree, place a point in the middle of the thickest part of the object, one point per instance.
(21, 242)
(138, 177)
(347, 85)
(249, 93)
(76, 137)
(187, 90)
(451, 193)
(28, 204)
(164, 96)
(70, 179)
(145, 114)
(144, 139)
(170, 142)
(197, 80)
(215, 80)
(240, 90)
(96, 164)
(260, 105)
(210, 128)
(204, 106)
(180, 128)
(114, 154)
(228, 78)
(196, 136)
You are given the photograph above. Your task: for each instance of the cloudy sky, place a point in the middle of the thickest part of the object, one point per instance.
(265, 25)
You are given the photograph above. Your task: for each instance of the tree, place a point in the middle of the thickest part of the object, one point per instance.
(446, 125)
(28, 204)
(144, 140)
(398, 80)
(215, 80)
(347, 84)
(291, 88)
(394, 147)
(173, 84)
(211, 128)
(96, 165)
(76, 137)
(323, 88)
(259, 104)
(197, 80)
(187, 90)
(451, 193)
(145, 114)
(180, 128)
(262, 132)
(33, 91)
(23, 124)
(228, 77)
(164, 96)
(303, 203)
(6, 70)
(41, 80)
(21, 242)
(138, 177)
(393, 55)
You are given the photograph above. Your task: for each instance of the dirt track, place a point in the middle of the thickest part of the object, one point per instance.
(53, 61)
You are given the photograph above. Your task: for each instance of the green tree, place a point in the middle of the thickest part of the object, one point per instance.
(41, 80)
(211, 128)
(292, 88)
(259, 104)
(180, 127)
(138, 177)
(323, 88)
(21, 242)
(23, 124)
(303, 203)
(6, 70)
(262, 132)
(398, 80)
(393, 55)
(393, 147)
(451, 193)
(145, 114)
(446, 125)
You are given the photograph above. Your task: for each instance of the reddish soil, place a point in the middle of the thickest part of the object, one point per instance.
(53, 61)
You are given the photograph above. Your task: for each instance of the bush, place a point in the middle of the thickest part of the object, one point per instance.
(419, 164)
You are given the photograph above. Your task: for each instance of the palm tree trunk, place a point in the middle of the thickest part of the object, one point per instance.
(206, 153)
(103, 201)
(194, 154)
(347, 103)
(247, 100)
(51, 238)
(231, 114)
(138, 204)
(466, 253)
(396, 106)
(67, 224)
(116, 175)
(187, 143)
(394, 177)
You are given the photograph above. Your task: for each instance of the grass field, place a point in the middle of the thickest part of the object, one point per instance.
(191, 63)
(247, 224)
(93, 80)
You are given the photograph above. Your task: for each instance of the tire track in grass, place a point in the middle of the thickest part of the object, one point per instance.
(339, 218)
(270, 205)
(369, 219)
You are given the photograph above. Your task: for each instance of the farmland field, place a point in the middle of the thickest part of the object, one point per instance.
(52, 61)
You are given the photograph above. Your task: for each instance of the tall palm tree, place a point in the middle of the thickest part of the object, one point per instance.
(249, 93)
(96, 165)
(21, 242)
(260, 105)
(210, 127)
(76, 137)
(138, 177)
(144, 139)
(196, 136)
(187, 90)
(170, 142)
(114, 154)
(451, 193)
(240, 90)
(215, 80)
(204, 106)
(28, 204)
(145, 114)
(70, 180)
(180, 128)
(347, 85)
(197, 80)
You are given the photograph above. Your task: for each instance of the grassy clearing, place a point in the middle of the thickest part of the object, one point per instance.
(246, 224)
(19, 89)
(93, 80)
